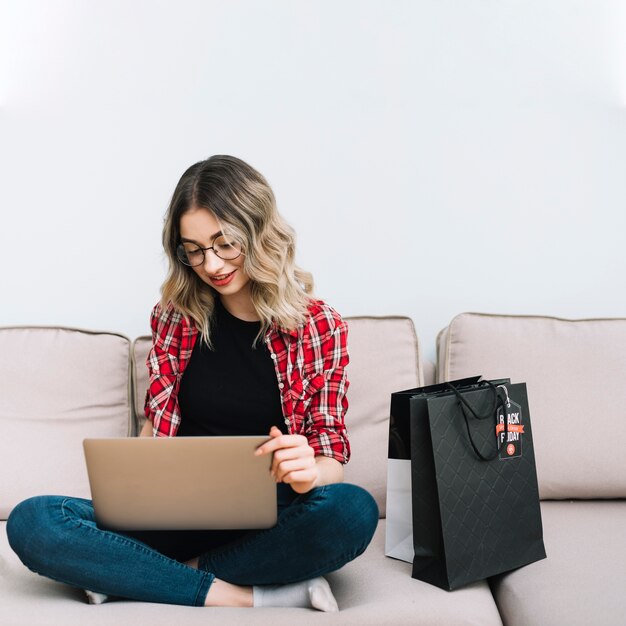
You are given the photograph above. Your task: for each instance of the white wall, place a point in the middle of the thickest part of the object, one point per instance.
(434, 157)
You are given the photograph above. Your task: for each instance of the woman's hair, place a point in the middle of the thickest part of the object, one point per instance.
(243, 203)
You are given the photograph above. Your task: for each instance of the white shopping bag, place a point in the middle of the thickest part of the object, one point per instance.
(399, 526)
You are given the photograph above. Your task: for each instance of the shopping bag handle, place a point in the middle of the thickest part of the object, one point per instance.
(493, 412)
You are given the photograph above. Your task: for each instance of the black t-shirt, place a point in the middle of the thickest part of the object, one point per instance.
(232, 389)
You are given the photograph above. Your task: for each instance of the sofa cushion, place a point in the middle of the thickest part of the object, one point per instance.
(371, 590)
(574, 370)
(139, 353)
(582, 580)
(59, 385)
(384, 357)
(430, 372)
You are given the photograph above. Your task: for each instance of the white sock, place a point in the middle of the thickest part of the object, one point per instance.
(96, 598)
(314, 593)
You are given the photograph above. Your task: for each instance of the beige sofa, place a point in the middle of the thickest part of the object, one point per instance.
(60, 385)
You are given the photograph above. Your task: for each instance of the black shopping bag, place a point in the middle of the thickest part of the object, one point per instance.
(399, 518)
(475, 499)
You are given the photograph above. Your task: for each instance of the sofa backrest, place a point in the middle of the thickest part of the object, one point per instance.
(384, 357)
(574, 371)
(57, 386)
(139, 355)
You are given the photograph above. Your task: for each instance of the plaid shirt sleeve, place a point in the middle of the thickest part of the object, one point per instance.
(327, 350)
(161, 406)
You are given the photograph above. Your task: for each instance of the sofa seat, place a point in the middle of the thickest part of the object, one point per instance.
(581, 581)
(372, 589)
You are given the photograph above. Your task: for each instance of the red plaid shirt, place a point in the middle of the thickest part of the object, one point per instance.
(310, 366)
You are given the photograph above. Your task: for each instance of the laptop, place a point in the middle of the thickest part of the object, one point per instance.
(181, 483)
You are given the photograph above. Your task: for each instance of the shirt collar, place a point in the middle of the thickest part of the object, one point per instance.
(285, 331)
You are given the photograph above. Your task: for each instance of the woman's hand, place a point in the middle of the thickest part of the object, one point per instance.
(294, 460)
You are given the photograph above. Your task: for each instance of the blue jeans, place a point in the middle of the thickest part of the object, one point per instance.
(317, 533)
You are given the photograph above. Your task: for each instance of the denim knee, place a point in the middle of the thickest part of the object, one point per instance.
(29, 527)
(354, 514)
(357, 507)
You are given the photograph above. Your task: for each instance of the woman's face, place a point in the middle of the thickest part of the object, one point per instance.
(199, 226)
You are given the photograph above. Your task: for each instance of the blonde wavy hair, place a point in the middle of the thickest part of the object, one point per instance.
(243, 203)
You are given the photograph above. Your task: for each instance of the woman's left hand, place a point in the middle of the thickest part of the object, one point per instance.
(294, 460)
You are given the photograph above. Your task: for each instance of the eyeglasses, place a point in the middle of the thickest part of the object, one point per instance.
(193, 255)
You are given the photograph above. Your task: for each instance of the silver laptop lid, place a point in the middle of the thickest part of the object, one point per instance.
(181, 483)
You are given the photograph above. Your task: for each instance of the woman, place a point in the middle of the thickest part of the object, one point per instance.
(240, 346)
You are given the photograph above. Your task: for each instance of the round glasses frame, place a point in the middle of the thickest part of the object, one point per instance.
(234, 251)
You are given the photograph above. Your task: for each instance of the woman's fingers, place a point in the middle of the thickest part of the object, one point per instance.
(281, 441)
(292, 466)
(288, 454)
(293, 460)
(288, 459)
(302, 481)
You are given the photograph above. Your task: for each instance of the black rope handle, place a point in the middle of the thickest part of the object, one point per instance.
(493, 412)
